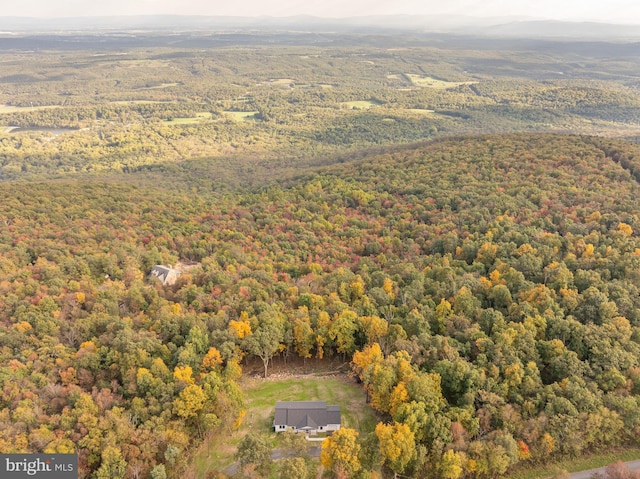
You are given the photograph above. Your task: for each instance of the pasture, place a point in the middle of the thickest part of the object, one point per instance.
(242, 115)
(430, 82)
(16, 109)
(202, 117)
(281, 81)
(361, 104)
(420, 111)
(160, 86)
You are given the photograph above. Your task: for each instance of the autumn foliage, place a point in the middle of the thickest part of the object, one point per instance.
(485, 290)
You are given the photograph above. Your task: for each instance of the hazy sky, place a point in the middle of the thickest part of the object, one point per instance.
(625, 11)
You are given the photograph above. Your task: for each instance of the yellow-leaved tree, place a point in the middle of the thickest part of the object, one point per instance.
(211, 360)
(340, 453)
(397, 446)
(190, 401)
(242, 327)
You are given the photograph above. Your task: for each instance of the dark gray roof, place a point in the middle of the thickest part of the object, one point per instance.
(333, 414)
(165, 274)
(160, 269)
(306, 414)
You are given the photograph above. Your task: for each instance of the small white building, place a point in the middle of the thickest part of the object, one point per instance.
(310, 417)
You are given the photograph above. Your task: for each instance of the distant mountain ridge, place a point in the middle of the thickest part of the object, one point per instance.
(490, 26)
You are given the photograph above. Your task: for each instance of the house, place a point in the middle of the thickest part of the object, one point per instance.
(165, 274)
(311, 417)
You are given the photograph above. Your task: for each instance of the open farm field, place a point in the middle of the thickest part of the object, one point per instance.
(198, 118)
(361, 104)
(241, 115)
(282, 81)
(420, 111)
(25, 109)
(160, 86)
(138, 102)
(429, 82)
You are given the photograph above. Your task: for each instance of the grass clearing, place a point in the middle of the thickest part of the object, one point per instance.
(420, 111)
(281, 81)
(15, 109)
(261, 396)
(242, 115)
(591, 461)
(361, 104)
(139, 102)
(430, 82)
(159, 87)
(137, 62)
(202, 117)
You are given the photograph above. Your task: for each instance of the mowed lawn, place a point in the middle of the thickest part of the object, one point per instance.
(261, 397)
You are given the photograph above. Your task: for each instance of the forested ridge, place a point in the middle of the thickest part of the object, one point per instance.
(486, 290)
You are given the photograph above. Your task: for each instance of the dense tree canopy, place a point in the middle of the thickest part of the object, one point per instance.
(496, 316)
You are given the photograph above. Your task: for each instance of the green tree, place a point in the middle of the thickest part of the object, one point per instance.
(254, 450)
(304, 337)
(265, 342)
(294, 468)
(113, 465)
(294, 443)
(343, 331)
(450, 465)
(158, 472)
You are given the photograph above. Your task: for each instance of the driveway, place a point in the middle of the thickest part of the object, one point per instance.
(313, 451)
(633, 465)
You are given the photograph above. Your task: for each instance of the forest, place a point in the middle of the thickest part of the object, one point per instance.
(459, 226)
